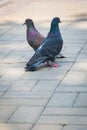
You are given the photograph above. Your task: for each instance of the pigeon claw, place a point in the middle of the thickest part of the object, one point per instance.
(53, 65)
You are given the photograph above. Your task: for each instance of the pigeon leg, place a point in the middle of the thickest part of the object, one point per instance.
(53, 64)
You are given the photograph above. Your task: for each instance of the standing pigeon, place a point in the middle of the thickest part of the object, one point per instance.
(34, 38)
(48, 49)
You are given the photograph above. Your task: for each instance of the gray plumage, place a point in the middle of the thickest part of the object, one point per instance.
(49, 48)
(34, 37)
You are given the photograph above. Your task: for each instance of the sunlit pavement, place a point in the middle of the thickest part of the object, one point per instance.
(49, 98)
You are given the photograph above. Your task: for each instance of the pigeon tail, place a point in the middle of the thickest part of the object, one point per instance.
(33, 66)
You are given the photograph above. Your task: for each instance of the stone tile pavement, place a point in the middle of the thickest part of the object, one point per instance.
(49, 98)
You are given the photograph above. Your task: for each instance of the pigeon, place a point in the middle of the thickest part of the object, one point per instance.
(49, 48)
(34, 38)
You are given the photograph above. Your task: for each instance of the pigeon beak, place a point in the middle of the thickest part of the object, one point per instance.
(24, 23)
(60, 22)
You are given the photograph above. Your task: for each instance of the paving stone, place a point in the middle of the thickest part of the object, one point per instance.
(17, 29)
(72, 49)
(23, 85)
(5, 112)
(63, 120)
(81, 100)
(43, 75)
(80, 66)
(10, 83)
(82, 58)
(1, 73)
(76, 41)
(85, 47)
(71, 44)
(13, 57)
(70, 82)
(7, 36)
(12, 74)
(26, 48)
(84, 51)
(75, 127)
(67, 59)
(16, 102)
(4, 88)
(65, 111)
(4, 68)
(47, 127)
(73, 76)
(27, 95)
(79, 36)
(1, 94)
(40, 95)
(12, 126)
(26, 114)
(5, 85)
(64, 65)
(10, 44)
(8, 48)
(62, 99)
(68, 55)
(20, 37)
(18, 66)
(45, 86)
(24, 59)
(72, 88)
(68, 36)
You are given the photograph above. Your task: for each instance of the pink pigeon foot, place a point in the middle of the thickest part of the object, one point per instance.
(53, 65)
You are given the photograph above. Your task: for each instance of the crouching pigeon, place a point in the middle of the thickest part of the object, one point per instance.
(48, 49)
(34, 38)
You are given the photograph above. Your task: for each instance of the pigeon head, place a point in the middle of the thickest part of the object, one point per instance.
(55, 21)
(54, 24)
(29, 23)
